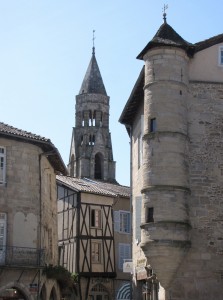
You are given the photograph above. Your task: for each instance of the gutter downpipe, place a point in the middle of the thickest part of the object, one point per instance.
(131, 229)
(40, 214)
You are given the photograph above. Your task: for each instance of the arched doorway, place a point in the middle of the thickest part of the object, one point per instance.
(99, 166)
(99, 292)
(43, 293)
(53, 295)
(12, 293)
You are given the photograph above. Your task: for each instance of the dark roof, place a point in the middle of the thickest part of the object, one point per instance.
(94, 186)
(93, 83)
(136, 97)
(10, 132)
(167, 36)
(209, 42)
(164, 36)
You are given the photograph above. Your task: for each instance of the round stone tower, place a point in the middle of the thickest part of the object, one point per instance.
(165, 225)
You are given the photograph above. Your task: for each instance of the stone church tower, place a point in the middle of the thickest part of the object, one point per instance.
(91, 147)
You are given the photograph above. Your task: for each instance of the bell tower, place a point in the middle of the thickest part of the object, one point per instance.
(91, 147)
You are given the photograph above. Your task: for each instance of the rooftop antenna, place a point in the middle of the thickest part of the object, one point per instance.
(164, 12)
(93, 49)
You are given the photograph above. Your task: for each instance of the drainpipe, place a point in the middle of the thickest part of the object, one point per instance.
(129, 127)
(40, 214)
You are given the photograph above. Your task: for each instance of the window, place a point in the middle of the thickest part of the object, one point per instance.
(96, 252)
(221, 55)
(2, 164)
(149, 217)
(122, 221)
(152, 125)
(95, 218)
(124, 253)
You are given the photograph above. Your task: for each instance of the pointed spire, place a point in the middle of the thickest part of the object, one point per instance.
(93, 83)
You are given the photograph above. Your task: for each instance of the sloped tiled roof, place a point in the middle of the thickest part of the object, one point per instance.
(136, 97)
(94, 186)
(10, 132)
(93, 83)
(209, 42)
(167, 36)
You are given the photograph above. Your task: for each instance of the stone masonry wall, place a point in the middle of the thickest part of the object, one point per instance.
(200, 276)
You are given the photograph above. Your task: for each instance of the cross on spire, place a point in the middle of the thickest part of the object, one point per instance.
(164, 12)
(93, 39)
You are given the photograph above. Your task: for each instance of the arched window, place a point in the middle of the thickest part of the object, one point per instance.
(90, 119)
(82, 119)
(99, 166)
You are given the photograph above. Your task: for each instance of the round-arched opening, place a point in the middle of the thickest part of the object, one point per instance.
(99, 166)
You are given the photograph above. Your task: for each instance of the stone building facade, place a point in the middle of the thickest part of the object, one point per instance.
(28, 214)
(174, 118)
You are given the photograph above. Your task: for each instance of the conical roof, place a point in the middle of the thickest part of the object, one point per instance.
(167, 36)
(93, 83)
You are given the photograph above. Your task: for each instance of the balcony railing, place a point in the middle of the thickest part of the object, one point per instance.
(21, 256)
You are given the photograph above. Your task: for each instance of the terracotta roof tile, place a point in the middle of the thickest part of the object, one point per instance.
(10, 132)
(94, 186)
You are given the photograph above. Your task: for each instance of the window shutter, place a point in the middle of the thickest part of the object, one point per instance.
(138, 209)
(117, 220)
(2, 237)
(2, 164)
(124, 253)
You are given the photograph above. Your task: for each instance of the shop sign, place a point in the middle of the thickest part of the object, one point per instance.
(141, 273)
(128, 267)
(33, 288)
(141, 262)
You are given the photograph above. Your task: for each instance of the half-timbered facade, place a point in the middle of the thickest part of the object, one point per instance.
(94, 235)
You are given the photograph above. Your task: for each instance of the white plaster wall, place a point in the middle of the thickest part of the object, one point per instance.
(205, 65)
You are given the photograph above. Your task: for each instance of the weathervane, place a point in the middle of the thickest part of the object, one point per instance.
(93, 42)
(164, 12)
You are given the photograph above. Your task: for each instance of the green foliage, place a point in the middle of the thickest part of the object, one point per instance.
(62, 275)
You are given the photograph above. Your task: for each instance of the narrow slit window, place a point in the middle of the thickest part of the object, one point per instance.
(149, 217)
(221, 56)
(153, 125)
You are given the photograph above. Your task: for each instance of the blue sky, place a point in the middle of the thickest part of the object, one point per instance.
(46, 46)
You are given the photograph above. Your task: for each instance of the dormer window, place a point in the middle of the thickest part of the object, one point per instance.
(221, 56)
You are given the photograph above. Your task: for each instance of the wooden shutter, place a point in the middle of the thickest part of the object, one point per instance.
(3, 224)
(124, 253)
(117, 220)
